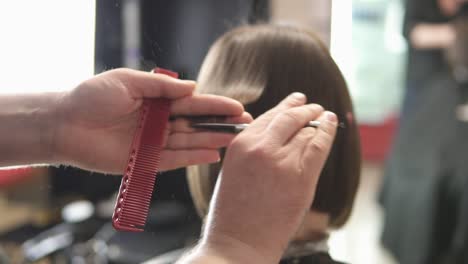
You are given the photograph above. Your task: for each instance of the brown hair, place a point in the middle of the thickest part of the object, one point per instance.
(259, 66)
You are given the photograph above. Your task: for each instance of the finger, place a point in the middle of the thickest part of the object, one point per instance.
(311, 166)
(206, 104)
(199, 140)
(318, 148)
(173, 159)
(181, 125)
(245, 118)
(153, 85)
(301, 139)
(260, 124)
(184, 124)
(289, 122)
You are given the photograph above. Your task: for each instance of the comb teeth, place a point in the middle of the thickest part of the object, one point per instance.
(136, 189)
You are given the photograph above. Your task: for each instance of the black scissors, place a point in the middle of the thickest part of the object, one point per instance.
(237, 128)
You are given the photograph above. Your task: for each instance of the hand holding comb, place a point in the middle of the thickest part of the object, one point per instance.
(136, 188)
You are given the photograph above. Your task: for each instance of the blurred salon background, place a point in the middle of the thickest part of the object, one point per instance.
(406, 64)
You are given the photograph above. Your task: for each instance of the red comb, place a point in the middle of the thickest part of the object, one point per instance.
(136, 189)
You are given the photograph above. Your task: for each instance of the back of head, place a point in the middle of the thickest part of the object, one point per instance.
(259, 66)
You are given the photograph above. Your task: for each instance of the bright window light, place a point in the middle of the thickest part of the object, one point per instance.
(341, 47)
(45, 45)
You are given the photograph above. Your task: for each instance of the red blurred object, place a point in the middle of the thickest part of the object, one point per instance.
(12, 176)
(376, 140)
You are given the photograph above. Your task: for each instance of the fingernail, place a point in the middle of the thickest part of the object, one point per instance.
(298, 95)
(331, 117)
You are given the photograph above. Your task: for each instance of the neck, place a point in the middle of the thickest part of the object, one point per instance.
(314, 227)
(297, 249)
(311, 237)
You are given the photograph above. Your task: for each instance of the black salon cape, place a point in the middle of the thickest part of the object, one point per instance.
(317, 258)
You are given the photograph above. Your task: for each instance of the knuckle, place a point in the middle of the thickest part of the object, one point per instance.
(238, 144)
(165, 79)
(318, 146)
(328, 132)
(292, 116)
(120, 71)
(292, 102)
(256, 151)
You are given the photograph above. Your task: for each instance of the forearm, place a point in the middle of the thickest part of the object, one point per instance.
(27, 125)
(432, 36)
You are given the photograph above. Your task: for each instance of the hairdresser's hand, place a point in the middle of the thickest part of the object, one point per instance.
(97, 121)
(268, 183)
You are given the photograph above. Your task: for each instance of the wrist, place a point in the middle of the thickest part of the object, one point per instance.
(45, 121)
(29, 123)
(53, 119)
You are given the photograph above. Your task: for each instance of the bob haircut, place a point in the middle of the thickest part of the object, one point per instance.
(259, 65)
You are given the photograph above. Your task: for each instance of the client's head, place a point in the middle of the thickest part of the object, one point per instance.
(259, 66)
